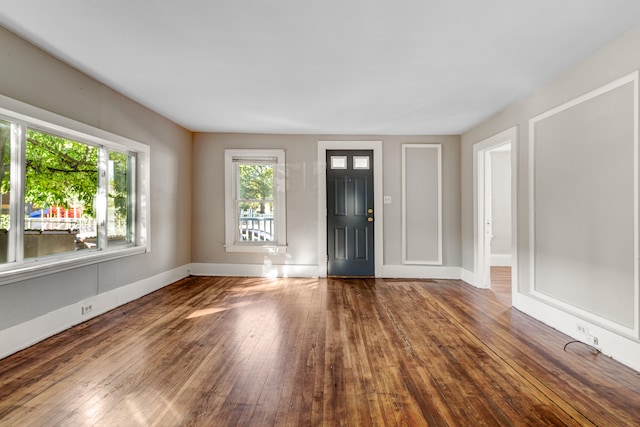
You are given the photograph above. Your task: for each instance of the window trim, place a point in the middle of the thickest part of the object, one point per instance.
(279, 245)
(28, 116)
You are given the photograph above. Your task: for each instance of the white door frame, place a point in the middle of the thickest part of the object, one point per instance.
(481, 254)
(323, 146)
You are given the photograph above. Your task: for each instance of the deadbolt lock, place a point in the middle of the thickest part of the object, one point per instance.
(370, 211)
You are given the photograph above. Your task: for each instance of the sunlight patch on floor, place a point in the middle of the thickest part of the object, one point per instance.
(214, 310)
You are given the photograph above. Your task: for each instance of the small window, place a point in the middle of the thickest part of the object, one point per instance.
(255, 216)
(255, 205)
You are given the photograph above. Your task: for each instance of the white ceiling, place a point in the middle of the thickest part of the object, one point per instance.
(322, 66)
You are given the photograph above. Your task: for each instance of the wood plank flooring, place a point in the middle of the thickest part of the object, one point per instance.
(294, 352)
(501, 284)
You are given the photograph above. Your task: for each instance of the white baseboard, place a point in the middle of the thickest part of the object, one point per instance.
(501, 260)
(260, 270)
(254, 270)
(404, 271)
(21, 336)
(468, 276)
(620, 348)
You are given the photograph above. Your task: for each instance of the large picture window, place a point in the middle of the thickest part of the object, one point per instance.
(255, 201)
(68, 197)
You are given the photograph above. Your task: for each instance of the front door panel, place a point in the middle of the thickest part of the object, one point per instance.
(350, 213)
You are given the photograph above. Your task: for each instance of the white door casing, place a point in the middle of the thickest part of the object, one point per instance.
(482, 212)
(323, 146)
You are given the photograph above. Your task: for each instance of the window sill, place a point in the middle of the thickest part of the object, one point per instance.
(53, 264)
(275, 249)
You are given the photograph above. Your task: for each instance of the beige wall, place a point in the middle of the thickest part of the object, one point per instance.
(36, 78)
(208, 198)
(302, 196)
(187, 193)
(606, 65)
(501, 203)
(187, 176)
(392, 148)
(612, 62)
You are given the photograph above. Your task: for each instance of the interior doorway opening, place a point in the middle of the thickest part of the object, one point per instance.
(498, 204)
(495, 212)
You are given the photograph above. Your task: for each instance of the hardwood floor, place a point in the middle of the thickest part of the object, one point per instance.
(246, 351)
(501, 284)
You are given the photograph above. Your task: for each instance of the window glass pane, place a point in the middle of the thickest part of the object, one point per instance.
(338, 162)
(361, 162)
(255, 182)
(255, 204)
(61, 182)
(254, 227)
(119, 205)
(5, 186)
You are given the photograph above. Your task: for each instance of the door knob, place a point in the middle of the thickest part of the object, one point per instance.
(370, 219)
(370, 211)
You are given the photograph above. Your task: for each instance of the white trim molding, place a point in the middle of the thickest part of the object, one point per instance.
(25, 334)
(438, 201)
(616, 346)
(481, 260)
(467, 276)
(276, 157)
(376, 146)
(254, 270)
(405, 271)
(501, 260)
(290, 270)
(572, 310)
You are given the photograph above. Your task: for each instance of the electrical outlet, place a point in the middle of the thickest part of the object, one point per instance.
(582, 329)
(591, 340)
(86, 309)
(586, 336)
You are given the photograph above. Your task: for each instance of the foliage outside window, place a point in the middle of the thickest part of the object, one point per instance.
(255, 200)
(64, 195)
(120, 206)
(5, 176)
(61, 183)
(255, 203)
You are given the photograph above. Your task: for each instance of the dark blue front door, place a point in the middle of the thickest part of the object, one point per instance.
(350, 238)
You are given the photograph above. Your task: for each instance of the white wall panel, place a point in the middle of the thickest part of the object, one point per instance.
(583, 158)
(422, 204)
